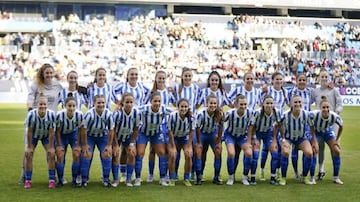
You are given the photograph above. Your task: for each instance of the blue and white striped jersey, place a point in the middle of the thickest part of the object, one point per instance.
(191, 93)
(304, 94)
(295, 127)
(80, 98)
(321, 124)
(167, 97)
(107, 91)
(40, 125)
(140, 92)
(205, 122)
(126, 123)
(237, 125)
(222, 97)
(253, 97)
(263, 122)
(98, 125)
(151, 121)
(68, 125)
(280, 99)
(180, 127)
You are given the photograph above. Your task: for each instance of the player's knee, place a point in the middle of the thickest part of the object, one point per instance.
(188, 154)
(336, 150)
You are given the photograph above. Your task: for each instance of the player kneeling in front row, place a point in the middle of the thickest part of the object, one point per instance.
(40, 125)
(97, 129)
(181, 126)
(236, 134)
(127, 120)
(295, 125)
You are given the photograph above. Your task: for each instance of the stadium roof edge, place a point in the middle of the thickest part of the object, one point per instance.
(289, 4)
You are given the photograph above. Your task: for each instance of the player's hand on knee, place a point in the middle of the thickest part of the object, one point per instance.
(274, 146)
(60, 152)
(77, 151)
(86, 151)
(315, 147)
(29, 151)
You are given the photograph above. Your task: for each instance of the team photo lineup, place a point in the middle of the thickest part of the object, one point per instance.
(179, 123)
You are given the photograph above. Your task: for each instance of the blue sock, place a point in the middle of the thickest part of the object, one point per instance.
(230, 165)
(313, 166)
(28, 175)
(129, 171)
(162, 165)
(198, 168)
(295, 159)
(60, 171)
(263, 157)
(306, 165)
(217, 167)
(115, 172)
(123, 168)
(186, 176)
(85, 167)
(172, 176)
(284, 165)
(336, 165)
(151, 167)
(51, 174)
(236, 163)
(254, 162)
(279, 161)
(247, 165)
(106, 164)
(274, 162)
(75, 170)
(138, 166)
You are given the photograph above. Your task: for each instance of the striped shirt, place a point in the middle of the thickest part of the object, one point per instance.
(191, 93)
(304, 94)
(107, 91)
(80, 98)
(167, 97)
(68, 125)
(126, 123)
(280, 99)
(98, 125)
(222, 97)
(180, 127)
(151, 121)
(295, 127)
(253, 97)
(205, 122)
(321, 124)
(40, 125)
(237, 125)
(263, 122)
(140, 92)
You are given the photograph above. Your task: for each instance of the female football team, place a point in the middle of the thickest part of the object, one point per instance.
(181, 117)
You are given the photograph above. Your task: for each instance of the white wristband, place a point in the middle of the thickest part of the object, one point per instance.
(132, 144)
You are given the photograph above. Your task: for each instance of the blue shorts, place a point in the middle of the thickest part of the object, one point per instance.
(124, 141)
(298, 141)
(156, 139)
(327, 135)
(229, 139)
(44, 141)
(208, 138)
(181, 140)
(266, 138)
(100, 142)
(69, 139)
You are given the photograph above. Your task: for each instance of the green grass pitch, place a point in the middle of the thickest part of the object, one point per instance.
(12, 148)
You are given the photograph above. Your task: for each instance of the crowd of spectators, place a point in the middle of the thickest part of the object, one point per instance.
(165, 43)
